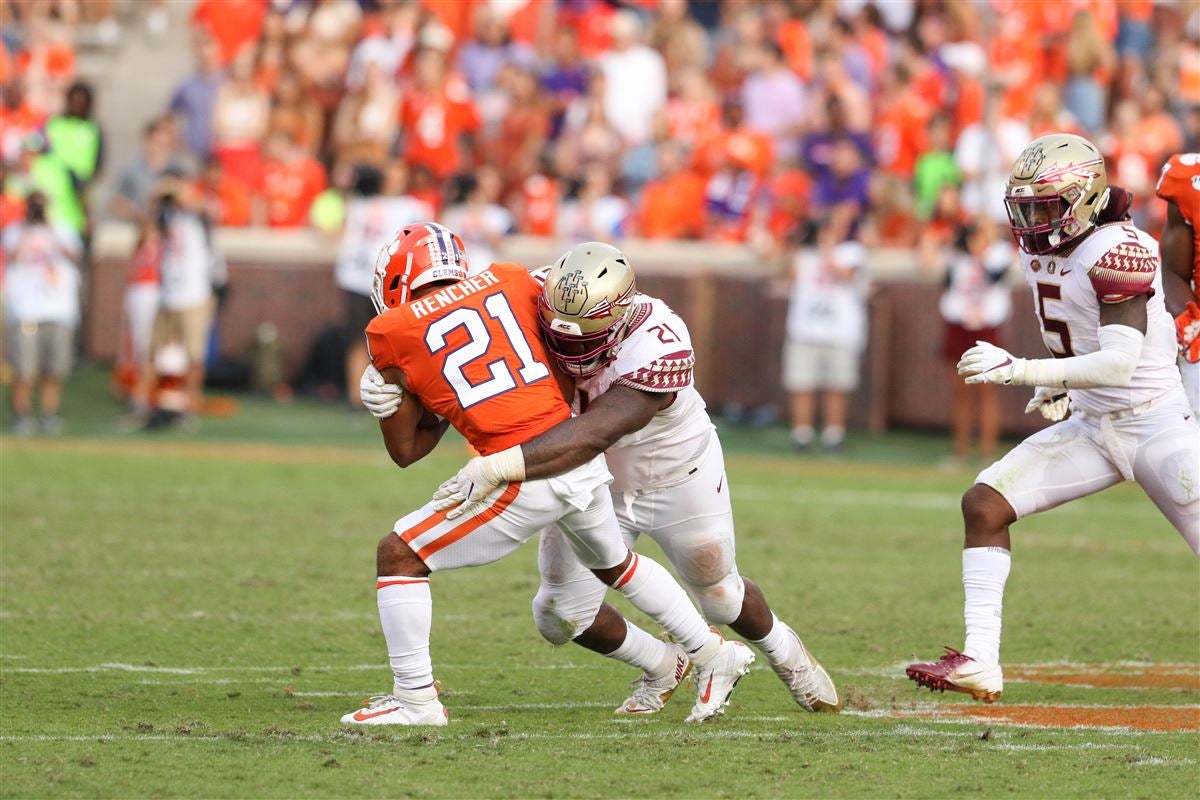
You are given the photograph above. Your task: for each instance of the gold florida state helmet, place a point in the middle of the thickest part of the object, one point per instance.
(585, 306)
(1055, 191)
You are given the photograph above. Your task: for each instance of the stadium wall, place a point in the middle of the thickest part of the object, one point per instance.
(733, 302)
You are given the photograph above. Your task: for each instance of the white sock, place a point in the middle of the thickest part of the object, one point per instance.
(777, 645)
(802, 434)
(654, 592)
(640, 649)
(406, 614)
(833, 435)
(985, 569)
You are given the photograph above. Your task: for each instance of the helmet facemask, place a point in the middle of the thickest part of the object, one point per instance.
(579, 354)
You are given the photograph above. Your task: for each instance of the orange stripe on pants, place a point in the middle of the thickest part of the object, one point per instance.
(454, 534)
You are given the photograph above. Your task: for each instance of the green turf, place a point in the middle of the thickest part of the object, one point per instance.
(182, 617)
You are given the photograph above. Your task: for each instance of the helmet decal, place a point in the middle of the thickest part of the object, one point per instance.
(571, 292)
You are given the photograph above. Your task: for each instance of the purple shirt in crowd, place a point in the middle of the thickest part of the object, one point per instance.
(194, 100)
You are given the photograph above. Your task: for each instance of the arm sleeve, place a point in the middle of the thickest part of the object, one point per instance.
(1112, 365)
(1124, 272)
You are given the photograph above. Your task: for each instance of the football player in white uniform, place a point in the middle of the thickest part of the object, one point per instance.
(1097, 290)
(631, 360)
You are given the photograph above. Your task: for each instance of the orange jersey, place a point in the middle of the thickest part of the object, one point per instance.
(472, 352)
(1179, 183)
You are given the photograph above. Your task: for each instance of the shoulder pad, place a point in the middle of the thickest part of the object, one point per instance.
(1124, 271)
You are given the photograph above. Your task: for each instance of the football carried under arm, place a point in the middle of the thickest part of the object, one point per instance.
(617, 412)
(407, 433)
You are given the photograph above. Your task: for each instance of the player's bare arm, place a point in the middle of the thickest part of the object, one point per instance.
(619, 411)
(407, 433)
(1175, 249)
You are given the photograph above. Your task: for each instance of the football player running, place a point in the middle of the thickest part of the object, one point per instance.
(468, 348)
(631, 360)
(1098, 295)
(1179, 248)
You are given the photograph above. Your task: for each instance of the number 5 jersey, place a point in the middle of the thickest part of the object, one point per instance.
(1115, 263)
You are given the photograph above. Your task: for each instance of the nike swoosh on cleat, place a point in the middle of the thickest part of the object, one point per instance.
(362, 716)
(707, 691)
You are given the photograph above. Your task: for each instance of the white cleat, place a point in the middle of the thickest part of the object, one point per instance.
(716, 679)
(387, 709)
(807, 680)
(652, 693)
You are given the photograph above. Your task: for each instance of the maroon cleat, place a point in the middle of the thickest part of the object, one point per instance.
(959, 672)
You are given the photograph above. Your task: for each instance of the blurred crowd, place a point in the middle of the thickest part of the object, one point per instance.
(753, 122)
(776, 123)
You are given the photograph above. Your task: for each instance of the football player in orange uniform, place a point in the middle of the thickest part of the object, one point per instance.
(468, 348)
(1179, 248)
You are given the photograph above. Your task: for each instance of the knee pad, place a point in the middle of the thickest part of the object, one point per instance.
(563, 611)
(721, 602)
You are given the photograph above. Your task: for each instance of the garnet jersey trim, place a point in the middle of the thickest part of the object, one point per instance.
(1124, 272)
(669, 373)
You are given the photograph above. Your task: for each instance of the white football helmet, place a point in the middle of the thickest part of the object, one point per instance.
(585, 306)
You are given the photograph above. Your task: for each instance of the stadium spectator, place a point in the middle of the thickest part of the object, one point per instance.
(241, 114)
(187, 276)
(564, 76)
(672, 205)
(291, 180)
(635, 81)
(387, 44)
(595, 213)
(131, 200)
(139, 307)
(46, 61)
(481, 58)
(1089, 61)
(974, 305)
(774, 101)
(42, 311)
(296, 115)
(826, 333)
(371, 217)
(233, 25)
(367, 121)
(195, 98)
(436, 114)
(75, 140)
(985, 152)
(478, 217)
(18, 119)
(935, 168)
(226, 199)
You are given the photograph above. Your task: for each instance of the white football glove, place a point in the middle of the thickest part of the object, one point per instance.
(1050, 403)
(380, 397)
(986, 363)
(470, 491)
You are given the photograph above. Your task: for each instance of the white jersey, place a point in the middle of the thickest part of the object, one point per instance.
(656, 356)
(1115, 262)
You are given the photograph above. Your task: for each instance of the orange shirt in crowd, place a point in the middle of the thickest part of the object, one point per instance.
(228, 202)
(692, 122)
(1013, 53)
(539, 206)
(289, 188)
(433, 122)
(673, 208)
(793, 39)
(900, 133)
(968, 104)
(457, 15)
(57, 60)
(790, 191)
(593, 25)
(233, 24)
(1189, 73)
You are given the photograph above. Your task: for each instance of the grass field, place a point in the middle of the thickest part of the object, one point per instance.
(190, 615)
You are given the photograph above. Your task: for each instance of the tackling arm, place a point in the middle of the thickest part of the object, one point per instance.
(1175, 249)
(619, 411)
(406, 439)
